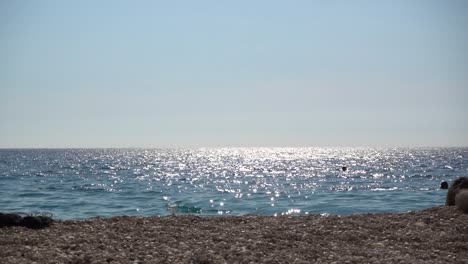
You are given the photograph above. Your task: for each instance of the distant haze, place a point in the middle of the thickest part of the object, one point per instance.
(233, 73)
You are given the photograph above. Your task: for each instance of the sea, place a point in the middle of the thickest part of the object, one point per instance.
(84, 183)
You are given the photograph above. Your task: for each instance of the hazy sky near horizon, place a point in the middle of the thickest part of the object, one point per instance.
(233, 73)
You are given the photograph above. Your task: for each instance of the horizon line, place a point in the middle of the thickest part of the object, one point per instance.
(233, 147)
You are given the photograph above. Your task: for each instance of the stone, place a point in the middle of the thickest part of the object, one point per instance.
(457, 185)
(461, 200)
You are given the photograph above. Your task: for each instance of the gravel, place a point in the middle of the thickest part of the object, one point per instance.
(435, 235)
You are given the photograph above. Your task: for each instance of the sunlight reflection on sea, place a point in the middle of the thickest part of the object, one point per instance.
(80, 183)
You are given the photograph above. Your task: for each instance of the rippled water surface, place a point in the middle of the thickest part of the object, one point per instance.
(75, 183)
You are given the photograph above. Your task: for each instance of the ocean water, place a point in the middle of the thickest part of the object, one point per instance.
(82, 183)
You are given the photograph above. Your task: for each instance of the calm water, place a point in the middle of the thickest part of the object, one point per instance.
(81, 183)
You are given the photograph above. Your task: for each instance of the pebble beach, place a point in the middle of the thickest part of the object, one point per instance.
(435, 235)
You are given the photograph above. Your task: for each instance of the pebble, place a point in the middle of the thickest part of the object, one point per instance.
(378, 244)
(420, 224)
(384, 238)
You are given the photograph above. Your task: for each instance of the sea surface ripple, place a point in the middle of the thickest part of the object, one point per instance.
(82, 183)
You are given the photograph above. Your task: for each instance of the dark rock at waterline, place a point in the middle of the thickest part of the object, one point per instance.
(35, 222)
(9, 219)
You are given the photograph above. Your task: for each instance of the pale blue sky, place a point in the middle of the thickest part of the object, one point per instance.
(233, 73)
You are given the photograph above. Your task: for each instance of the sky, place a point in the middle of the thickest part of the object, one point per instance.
(233, 73)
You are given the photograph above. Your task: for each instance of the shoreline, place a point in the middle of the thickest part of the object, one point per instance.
(434, 235)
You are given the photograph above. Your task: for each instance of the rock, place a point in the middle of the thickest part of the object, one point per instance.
(378, 245)
(9, 219)
(461, 200)
(420, 224)
(457, 185)
(31, 222)
(27, 221)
